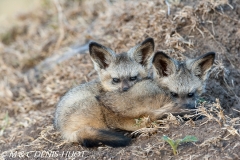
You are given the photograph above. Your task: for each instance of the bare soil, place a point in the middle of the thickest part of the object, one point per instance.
(29, 92)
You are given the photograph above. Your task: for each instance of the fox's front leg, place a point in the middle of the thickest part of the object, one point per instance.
(115, 121)
(159, 113)
(169, 107)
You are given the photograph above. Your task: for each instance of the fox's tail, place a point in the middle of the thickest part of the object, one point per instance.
(91, 137)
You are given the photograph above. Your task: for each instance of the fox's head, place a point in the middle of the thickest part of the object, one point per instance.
(185, 81)
(121, 71)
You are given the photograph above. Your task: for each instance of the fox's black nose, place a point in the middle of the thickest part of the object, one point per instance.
(125, 89)
(189, 106)
(125, 85)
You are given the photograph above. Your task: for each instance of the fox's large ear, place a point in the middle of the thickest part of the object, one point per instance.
(163, 65)
(100, 55)
(143, 52)
(201, 65)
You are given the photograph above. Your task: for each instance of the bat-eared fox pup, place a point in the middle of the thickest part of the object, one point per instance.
(174, 87)
(79, 116)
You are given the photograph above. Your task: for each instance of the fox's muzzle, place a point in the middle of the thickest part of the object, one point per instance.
(189, 106)
(125, 85)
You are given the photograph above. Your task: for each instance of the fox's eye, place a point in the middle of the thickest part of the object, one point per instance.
(190, 95)
(133, 78)
(175, 95)
(116, 80)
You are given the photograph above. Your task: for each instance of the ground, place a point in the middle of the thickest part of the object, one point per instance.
(39, 62)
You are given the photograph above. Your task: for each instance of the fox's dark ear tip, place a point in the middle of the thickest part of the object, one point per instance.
(211, 53)
(149, 39)
(91, 44)
(159, 54)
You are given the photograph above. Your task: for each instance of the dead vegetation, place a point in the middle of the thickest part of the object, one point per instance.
(29, 94)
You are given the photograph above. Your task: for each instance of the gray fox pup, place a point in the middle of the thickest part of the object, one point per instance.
(79, 117)
(175, 86)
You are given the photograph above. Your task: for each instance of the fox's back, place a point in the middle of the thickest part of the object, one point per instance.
(69, 102)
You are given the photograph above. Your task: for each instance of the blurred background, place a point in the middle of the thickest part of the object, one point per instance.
(10, 8)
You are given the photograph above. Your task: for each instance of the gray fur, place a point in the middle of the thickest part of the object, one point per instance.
(78, 114)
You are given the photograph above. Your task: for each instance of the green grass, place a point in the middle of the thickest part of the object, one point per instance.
(175, 143)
